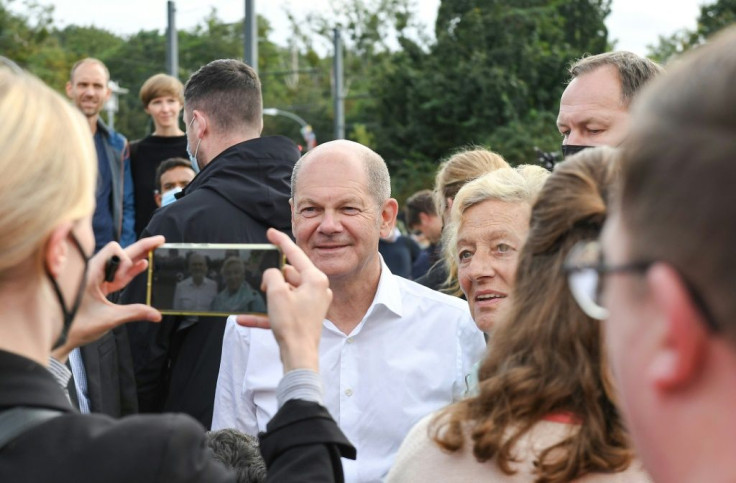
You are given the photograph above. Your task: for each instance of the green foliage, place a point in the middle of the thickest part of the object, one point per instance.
(26, 39)
(713, 17)
(494, 76)
(517, 139)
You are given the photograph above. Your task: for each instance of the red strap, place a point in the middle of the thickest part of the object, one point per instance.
(562, 417)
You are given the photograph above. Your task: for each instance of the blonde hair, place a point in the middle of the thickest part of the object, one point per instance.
(458, 169)
(48, 163)
(511, 185)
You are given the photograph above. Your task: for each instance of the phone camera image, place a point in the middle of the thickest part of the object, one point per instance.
(210, 279)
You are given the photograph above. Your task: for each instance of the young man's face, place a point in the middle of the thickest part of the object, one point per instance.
(430, 226)
(178, 177)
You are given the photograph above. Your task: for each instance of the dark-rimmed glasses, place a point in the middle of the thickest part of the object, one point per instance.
(586, 271)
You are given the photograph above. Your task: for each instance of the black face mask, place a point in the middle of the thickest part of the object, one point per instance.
(71, 312)
(570, 149)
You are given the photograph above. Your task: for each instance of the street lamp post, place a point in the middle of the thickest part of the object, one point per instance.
(306, 130)
(111, 106)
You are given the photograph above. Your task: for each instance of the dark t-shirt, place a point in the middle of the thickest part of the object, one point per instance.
(145, 156)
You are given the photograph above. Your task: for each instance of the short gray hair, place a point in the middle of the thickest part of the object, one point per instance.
(379, 180)
(633, 71)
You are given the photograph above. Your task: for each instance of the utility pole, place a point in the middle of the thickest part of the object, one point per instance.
(172, 41)
(112, 104)
(250, 27)
(339, 97)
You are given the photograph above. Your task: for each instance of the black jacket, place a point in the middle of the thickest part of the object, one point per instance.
(84, 448)
(234, 199)
(110, 380)
(303, 442)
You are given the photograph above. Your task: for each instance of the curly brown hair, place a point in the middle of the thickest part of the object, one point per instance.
(548, 356)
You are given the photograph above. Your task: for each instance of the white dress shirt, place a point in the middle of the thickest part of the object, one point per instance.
(407, 358)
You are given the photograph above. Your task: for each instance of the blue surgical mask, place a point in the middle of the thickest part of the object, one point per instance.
(168, 197)
(192, 157)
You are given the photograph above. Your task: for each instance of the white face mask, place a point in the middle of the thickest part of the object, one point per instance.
(192, 157)
(168, 197)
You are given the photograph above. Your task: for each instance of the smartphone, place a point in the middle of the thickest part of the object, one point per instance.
(210, 279)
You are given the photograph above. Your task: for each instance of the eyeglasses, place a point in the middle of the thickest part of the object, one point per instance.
(586, 272)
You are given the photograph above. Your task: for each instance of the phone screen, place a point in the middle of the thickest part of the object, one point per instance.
(210, 279)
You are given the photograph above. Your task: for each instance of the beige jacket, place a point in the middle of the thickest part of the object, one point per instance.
(420, 459)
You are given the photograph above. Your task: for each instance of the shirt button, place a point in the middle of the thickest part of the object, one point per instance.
(348, 392)
(350, 340)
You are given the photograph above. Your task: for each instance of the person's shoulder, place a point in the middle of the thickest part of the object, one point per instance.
(420, 458)
(161, 447)
(116, 137)
(144, 432)
(277, 147)
(139, 141)
(189, 212)
(634, 473)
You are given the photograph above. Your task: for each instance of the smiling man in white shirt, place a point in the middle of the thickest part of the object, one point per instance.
(392, 351)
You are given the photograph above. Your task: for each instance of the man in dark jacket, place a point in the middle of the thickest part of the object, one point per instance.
(241, 189)
(103, 370)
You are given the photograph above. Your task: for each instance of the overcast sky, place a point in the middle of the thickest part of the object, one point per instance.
(633, 24)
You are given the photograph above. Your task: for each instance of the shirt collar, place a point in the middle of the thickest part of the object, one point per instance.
(102, 127)
(388, 297)
(388, 293)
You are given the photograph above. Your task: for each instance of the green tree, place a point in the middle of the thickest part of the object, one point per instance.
(712, 18)
(26, 38)
(493, 77)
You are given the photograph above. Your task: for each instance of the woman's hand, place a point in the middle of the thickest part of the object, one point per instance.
(97, 314)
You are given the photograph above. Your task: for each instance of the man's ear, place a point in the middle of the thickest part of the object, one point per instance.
(69, 89)
(683, 340)
(56, 249)
(389, 210)
(157, 198)
(201, 123)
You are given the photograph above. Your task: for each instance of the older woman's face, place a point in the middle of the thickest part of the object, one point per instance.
(490, 237)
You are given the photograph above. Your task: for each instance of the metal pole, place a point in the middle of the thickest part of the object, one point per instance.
(172, 41)
(339, 98)
(250, 26)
